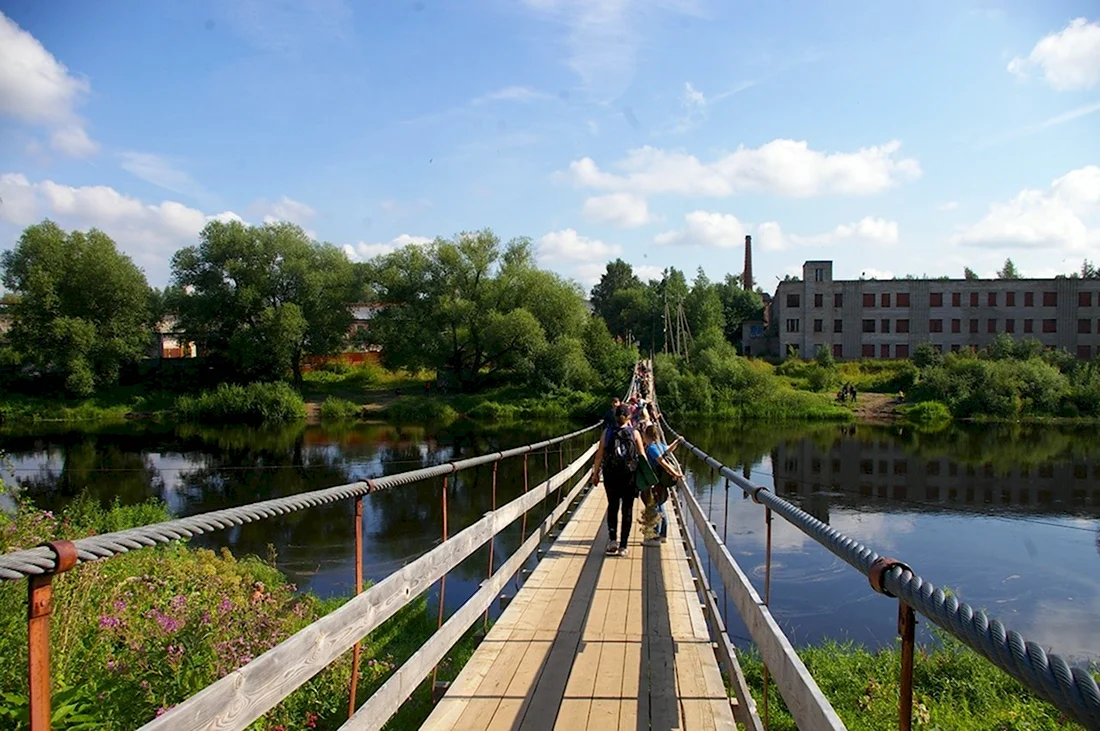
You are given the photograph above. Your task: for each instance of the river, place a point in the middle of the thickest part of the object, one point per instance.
(1006, 517)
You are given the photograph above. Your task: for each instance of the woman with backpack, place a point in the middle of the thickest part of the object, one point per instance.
(667, 473)
(617, 456)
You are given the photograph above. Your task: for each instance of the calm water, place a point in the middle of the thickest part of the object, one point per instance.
(1005, 517)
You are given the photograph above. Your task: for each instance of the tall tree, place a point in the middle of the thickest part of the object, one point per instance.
(263, 297)
(618, 276)
(738, 305)
(969, 273)
(704, 306)
(82, 306)
(1089, 271)
(1008, 271)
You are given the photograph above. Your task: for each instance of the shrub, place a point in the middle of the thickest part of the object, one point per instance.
(822, 378)
(926, 413)
(336, 365)
(420, 408)
(334, 409)
(254, 403)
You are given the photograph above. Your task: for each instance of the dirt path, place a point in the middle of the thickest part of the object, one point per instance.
(876, 408)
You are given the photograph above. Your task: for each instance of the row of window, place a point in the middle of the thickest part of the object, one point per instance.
(935, 299)
(1049, 325)
(900, 351)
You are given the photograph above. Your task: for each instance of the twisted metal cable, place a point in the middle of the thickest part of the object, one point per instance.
(41, 560)
(1072, 690)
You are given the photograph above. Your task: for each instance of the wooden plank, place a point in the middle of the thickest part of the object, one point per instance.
(385, 701)
(634, 706)
(607, 690)
(807, 704)
(247, 693)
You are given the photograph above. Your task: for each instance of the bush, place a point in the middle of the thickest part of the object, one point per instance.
(254, 403)
(335, 409)
(420, 409)
(822, 378)
(336, 365)
(926, 413)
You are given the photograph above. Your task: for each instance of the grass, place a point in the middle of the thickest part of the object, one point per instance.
(232, 404)
(337, 409)
(115, 404)
(954, 688)
(145, 630)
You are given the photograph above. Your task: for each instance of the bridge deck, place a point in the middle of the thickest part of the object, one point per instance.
(595, 642)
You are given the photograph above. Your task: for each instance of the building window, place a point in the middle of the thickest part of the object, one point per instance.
(901, 350)
(838, 351)
(868, 351)
(792, 325)
(1010, 325)
(1084, 327)
(868, 299)
(868, 326)
(792, 300)
(974, 325)
(1083, 352)
(1029, 299)
(819, 326)
(819, 300)
(1084, 299)
(935, 326)
(935, 299)
(884, 326)
(1050, 325)
(992, 299)
(1050, 299)
(1010, 299)
(955, 348)
(819, 275)
(956, 299)
(884, 350)
(973, 299)
(838, 326)
(956, 325)
(903, 299)
(885, 299)
(1028, 326)
(991, 326)
(903, 326)
(838, 299)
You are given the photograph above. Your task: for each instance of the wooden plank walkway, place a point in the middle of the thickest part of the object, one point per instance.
(595, 642)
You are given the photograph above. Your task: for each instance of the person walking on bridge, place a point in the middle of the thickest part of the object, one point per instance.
(617, 455)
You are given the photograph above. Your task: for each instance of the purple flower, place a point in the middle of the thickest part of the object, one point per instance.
(161, 711)
(225, 605)
(145, 685)
(112, 665)
(179, 601)
(205, 619)
(108, 622)
(170, 625)
(120, 606)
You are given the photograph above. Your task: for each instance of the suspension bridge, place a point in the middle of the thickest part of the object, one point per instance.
(589, 640)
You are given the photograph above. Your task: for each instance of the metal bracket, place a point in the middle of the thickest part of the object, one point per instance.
(877, 574)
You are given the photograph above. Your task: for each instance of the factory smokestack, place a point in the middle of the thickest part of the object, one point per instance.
(748, 264)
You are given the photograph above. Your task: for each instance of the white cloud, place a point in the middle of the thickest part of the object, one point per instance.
(722, 230)
(1069, 59)
(872, 273)
(696, 105)
(149, 232)
(511, 94)
(364, 251)
(162, 172)
(782, 167)
(703, 228)
(620, 209)
(1065, 217)
(647, 272)
(569, 245)
(593, 127)
(948, 206)
(36, 88)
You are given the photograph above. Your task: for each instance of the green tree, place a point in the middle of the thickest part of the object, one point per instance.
(618, 276)
(262, 297)
(704, 306)
(969, 273)
(82, 307)
(1089, 270)
(1008, 271)
(738, 305)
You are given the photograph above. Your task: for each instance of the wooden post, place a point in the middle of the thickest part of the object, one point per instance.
(358, 590)
(767, 594)
(39, 608)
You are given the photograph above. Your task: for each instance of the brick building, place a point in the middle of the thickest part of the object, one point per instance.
(889, 318)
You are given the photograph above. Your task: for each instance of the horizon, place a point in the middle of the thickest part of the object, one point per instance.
(890, 141)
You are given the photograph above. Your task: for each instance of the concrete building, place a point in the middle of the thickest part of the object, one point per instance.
(889, 318)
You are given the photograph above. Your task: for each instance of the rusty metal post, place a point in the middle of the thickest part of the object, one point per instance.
(767, 592)
(907, 623)
(358, 590)
(39, 608)
(443, 580)
(489, 572)
(523, 529)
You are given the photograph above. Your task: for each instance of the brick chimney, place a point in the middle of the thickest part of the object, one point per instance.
(748, 264)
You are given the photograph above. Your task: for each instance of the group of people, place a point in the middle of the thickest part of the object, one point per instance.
(634, 463)
(847, 392)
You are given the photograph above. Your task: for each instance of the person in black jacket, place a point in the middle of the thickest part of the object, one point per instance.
(609, 420)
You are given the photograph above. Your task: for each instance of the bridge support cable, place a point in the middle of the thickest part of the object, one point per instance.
(1049, 676)
(242, 696)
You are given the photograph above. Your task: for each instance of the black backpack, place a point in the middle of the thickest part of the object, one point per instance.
(620, 456)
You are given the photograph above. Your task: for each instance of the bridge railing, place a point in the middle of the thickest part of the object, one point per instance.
(247, 693)
(1072, 690)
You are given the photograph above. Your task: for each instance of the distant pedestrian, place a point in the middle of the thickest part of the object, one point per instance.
(617, 459)
(609, 420)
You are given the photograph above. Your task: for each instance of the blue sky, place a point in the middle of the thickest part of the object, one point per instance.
(892, 139)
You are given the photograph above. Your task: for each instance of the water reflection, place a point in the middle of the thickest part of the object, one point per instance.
(1004, 516)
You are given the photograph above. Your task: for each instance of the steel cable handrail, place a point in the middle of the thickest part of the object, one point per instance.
(1072, 690)
(36, 561)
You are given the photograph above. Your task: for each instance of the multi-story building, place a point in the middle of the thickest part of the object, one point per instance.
(889, 318)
